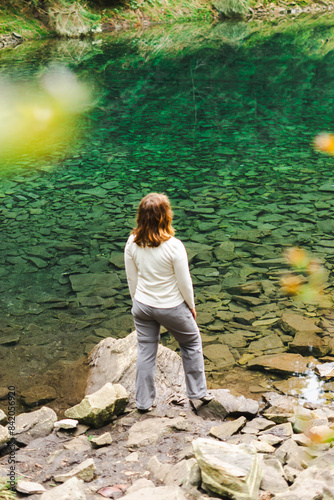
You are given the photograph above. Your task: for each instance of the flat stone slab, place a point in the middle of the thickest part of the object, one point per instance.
(227, 429)
(103, 440)
(82, 282)
(34, 425)
(85, 471)
(220, 355)
(267, 342)
(281, 430)
(256, 425)
(66, 423)
(325, 370)
(293, 386)
(38, 395)
(151, 430)
(294, 323)
(78, 444)
(286, 363)
(28, 487)
(309, 343)
(73, 489)
(228, 470)
(223, 404)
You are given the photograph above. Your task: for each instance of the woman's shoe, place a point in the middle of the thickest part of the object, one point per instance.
(147, 410)
(207, 398)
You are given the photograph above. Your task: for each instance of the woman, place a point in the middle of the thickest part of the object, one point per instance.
(160, 286)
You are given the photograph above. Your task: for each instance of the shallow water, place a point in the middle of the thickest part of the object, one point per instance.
(221, 118)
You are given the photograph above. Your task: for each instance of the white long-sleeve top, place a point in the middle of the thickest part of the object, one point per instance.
(159, 276)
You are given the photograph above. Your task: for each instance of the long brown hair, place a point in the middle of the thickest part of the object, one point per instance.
(154, 220)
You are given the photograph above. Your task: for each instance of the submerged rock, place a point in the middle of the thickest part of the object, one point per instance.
(99, 408)
(4, 435)
(285, 363)
(90, 281)
(38, 395)
(309, 343)
(228, 470)
(294, 323)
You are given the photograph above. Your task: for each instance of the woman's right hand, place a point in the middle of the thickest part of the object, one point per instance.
(193, 312)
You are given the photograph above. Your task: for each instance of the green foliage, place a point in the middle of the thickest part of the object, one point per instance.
(5, 490)
(231, 8)
(71, 19)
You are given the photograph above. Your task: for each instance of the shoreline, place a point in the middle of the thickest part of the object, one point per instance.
(272, 12)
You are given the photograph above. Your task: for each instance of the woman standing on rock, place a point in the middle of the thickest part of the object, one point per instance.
(160, 285)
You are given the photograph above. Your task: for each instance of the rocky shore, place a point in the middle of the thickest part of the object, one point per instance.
(233, 447)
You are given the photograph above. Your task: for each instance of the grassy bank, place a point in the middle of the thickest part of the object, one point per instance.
(21, 20)
(43, 18)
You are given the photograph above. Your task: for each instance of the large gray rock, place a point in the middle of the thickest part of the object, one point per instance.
(34, 425)
(185, 473)
(314, 483)
(114, 360)
(228, 470)
(160, 493)
(73, 489)
(99, 408)
(151, 430)
(224, 403)
(273, 476)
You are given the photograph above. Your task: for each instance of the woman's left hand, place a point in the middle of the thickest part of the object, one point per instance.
(193, 312)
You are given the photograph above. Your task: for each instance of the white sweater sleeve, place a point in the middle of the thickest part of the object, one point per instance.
(182, 273)
(130, 269)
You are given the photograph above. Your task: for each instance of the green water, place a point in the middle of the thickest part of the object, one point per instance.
(221, 118)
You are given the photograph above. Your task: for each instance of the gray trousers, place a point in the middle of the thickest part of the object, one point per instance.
(181, 324)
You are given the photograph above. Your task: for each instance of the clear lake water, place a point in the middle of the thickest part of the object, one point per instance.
(219, 117)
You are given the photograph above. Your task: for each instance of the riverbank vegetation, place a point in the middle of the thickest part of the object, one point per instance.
(42, 18)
